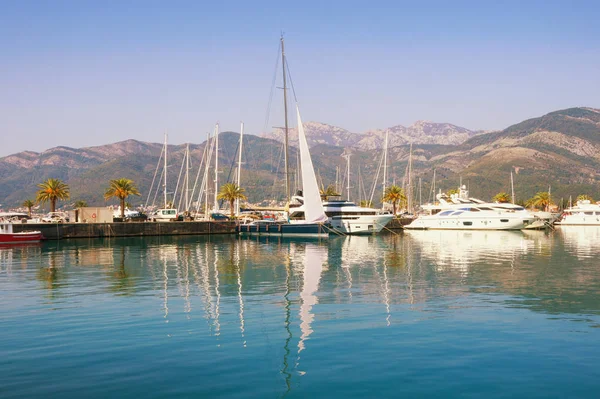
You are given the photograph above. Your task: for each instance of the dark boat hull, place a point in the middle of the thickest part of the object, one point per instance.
(285, 229)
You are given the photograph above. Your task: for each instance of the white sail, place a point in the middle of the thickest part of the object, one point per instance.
(313, 207)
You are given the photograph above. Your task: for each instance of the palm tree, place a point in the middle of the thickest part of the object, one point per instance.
(52, 190)
(501, 197)
(394, 194)
(80, 204)
(540, 200)
(328, 192)
(231, 192)
(121, 189)
(28, 204)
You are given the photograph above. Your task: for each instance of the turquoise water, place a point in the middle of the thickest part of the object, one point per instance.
(422, 314)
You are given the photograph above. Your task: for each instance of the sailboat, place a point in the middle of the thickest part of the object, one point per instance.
(315, 220)
(167, 213)
(345, 216)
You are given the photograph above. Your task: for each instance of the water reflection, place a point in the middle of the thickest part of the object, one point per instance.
(284, 296)
(581, 241)
(459, 249)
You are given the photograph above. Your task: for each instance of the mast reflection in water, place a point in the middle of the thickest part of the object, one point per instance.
(440, 313)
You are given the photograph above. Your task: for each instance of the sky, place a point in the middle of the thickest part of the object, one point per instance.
(86, 73)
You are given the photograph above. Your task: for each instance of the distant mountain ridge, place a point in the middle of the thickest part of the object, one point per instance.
(559, 150)
(421, 132)
(72, 157)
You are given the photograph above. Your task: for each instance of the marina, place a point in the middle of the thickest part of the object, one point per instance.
(173, 226)
(424, 313)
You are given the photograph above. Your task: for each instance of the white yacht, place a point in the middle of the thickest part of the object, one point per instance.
(345, 217)
(584, 213)
(460, 212)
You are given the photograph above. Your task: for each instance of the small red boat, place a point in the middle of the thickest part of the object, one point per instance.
(7, 236)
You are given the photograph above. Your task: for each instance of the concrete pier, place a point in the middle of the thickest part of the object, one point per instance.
(56, 231)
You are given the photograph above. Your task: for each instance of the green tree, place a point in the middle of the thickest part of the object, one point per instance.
(395, 195)
(540, 200)
(121, 189)
(580, 197)
(366, 204)
(52, 190)
(231, 192)
(80, 204)
(328, 192)
(28, 204)
(501, 197)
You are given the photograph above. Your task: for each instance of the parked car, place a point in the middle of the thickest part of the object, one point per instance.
(164, 215)
(219, 216)
(55, 217)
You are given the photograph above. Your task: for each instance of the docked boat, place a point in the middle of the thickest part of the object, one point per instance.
(584, 213)
(460, 212)
(8, 236)
(346, 217)
(315, 222)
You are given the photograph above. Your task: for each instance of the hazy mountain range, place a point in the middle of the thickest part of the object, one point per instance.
(560, 149)
(421, 132)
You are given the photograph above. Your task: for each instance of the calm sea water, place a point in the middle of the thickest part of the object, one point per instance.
(437, 314)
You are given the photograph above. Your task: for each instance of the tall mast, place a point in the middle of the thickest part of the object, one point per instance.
(512, 188)
(216, 206)
(187, 177)
(206, 176)
(239, 171)
(165, 177)
(420, 193)
(287, 167)
(348, 172)
(385, 151)
(410, 190)
(433, 188)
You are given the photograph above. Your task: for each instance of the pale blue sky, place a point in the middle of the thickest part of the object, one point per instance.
(81, 73)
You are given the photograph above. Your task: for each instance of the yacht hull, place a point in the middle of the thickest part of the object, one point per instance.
(284, 229)
(457, 223)
(361, 225)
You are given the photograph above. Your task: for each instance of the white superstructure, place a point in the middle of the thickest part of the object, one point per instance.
(345, 217)
(459, 212)
(584, 213)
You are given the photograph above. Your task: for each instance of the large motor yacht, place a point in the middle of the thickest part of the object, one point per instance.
(460, 212)
(584, 213)
(345, 216)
